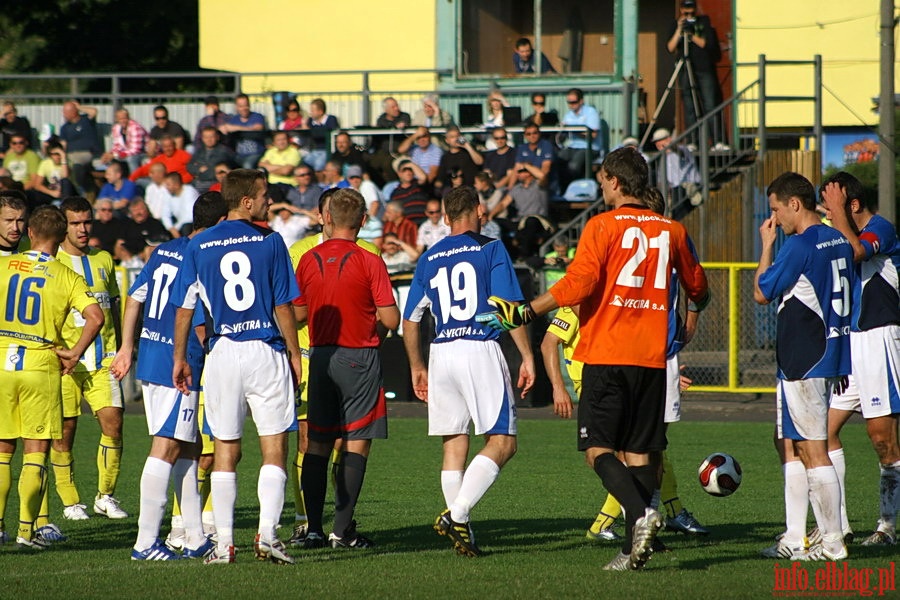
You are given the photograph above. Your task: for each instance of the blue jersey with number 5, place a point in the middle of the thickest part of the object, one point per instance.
(240, 272)
(813, 275)
(454, 278)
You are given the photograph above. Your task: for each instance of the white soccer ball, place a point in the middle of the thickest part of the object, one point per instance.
(720, 474)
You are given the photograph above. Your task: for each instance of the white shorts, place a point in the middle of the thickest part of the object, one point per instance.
(673, 391)
(802, 408)
(250, 374)
(849, 400)
(876, 359)
(468, 380)
(170, 414)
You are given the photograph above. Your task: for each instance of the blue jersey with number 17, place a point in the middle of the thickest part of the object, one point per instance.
(240, 272)
(454, 278)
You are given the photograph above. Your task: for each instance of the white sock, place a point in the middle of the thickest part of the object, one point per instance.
(890, 496)
(840, 467)
(154, 488)
(478, 478)
(184, 475)
(450, 484)
(270, 489)
(825, 497)
(223, 487)
(796, 502)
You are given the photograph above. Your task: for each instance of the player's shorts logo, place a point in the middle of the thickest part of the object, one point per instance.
(876, 401)
(40, 429)
(582, 433)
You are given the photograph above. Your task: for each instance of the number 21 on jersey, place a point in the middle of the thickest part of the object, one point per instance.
(634, 238)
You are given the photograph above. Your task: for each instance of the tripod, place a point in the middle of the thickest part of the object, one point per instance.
(683, 63)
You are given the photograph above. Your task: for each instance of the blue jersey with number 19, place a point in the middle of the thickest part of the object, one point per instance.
(240, 272)
(454, 278)
(152, 288)
(812, 274)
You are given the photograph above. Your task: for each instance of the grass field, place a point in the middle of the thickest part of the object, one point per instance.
(531, 525)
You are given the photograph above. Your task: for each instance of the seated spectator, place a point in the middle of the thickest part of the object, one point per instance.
(294, 118)
(107, 228)
(51, 182)
(682, 176)
(523, 58)
(128, 253)
(165, 128)
(11, 124)
(495, 103)
(431, 114)
(536, 152)
(305, 193)
(461, 156)
(287, 220)
(392, 117)
(246, 131)
(557, 261)
(178, 212)
(410, 194)
(128, 141)
(432, 230)
(490, 195)
(172, 159)
(372, 231)
(396, 223)
(118, 189)
(424, 153)
(222, 171)
(366, 188)
(501, 161)
(280, 161)
(214, 118)
(210, 152)
(143, 224)
(398, 256)
(155, 193)
(331, 176)
(456, 180)
(21, 161)
(541, 116)
(531, 203)
(580, 149)
(320, 124)
(489, 229)
(346, 154)
(78, 136)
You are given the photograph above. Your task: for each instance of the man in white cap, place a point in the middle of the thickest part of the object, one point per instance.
(681, 177)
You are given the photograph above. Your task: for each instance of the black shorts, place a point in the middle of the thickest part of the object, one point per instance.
(622, 407)
(346, 397)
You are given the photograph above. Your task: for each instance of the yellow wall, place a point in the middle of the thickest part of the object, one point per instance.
(320, 35)
(844, 33)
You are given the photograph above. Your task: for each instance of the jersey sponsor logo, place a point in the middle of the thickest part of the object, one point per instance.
(638, 303)
(836, 332)
(561, 324)
(832, 242)
(228, 328)
(244, 239)
(454, 251)
(176, 255)
(24, 336)
(455, 332)
(642, 218)
(155, 336)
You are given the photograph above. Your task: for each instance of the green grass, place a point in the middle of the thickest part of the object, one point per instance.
(531, 525)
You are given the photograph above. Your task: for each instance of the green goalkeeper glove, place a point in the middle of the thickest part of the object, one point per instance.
(507, 316)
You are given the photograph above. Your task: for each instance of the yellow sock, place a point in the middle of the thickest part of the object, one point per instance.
(64, 473)
(5, 483)
(296, 482)
(176, 508)
(204, 486)
(668, 489)
(43, 517)
(608, 514)
(109, 455)
(31, 484)
(335, 464)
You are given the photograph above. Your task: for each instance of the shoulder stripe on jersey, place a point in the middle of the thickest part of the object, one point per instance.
(319, 262)
(264, 231)
(86, 268)
(482, 240)
(344, 261)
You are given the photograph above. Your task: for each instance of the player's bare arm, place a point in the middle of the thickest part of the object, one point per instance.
(93, 321)
(417, 368)
(181, 373)
(389, 316)
(562, 403)
(301, 314)
(287, 324)
(121, 363)
(767, 233)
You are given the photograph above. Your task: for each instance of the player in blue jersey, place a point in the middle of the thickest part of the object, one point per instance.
(467, 378)
(811, 280)
(242, 275)
(171, 415)
(874, 344)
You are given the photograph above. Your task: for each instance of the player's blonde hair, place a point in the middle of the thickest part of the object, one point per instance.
(240, 183)
(48, 223)
(347, 207)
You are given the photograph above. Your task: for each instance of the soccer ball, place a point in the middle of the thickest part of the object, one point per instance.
(720, 474)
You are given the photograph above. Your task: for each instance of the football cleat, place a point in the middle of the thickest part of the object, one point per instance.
(205, 549)
(880, 538)
(622, 562)
(34, 543)
(299, 536)
(176, 538)
(686, 524)
(4, 537)
(158, 551)
(314, 541)
(460, 534)
(820, 552)
(50, 533)
(442, 523)
(607, 535)
(814, 537)
(780, 549)
(273, 551)
(351, 539)
(644, 533)
(109, 507)
(218, 557)
(76, 512)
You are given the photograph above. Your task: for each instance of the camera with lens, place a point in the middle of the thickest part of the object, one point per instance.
(689, 26)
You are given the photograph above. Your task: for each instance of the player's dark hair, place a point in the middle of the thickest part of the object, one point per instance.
(629, 167)
(240, 183)
(854, 189)
(654, 200)
(793, 185)
(325, 197)
(48, 223)
(209, 209)
(75, 204)
(347, 208)
(460, 201)
(15, 199)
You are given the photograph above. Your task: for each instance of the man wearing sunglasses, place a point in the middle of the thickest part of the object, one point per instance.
(580, 148)
(163, 127)
(206, 156)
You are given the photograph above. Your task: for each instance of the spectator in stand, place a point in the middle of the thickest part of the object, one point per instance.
(331, 176)
(214, 118)
(541, 116)
(21, 161)
(537, 152)
(461, 155)
(431, 114)
(178, 213)
(51, 182)
(222, 171)
(210, 152)
(432, 230)
(117, 189)
(279, 161)
(523, 58)
(163, 127)
(346, 154)
(579, 151)
(424, 153)
(320, 124)
(557, 261)
(288, 221)
(682, 178)
(495, 104)
(128, 252)
(367, 189)
(107, 227)
(530, 200)
(143, 224)
(11, 124)
(155, 193)
(397, 224)
(501, 162)
(392, 117)
(489, 194)
(246, 130)
(456, 180)
(305, 193)
(79, 137)
(372, 231)
(172, 159)
(410, 193)
(128, 141)
(294, 118)
(386, 145)
(398, 256)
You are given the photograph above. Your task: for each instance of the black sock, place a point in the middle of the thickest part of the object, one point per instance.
(646, 480)
(619, 482)
(350, 477)
(315, 485)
